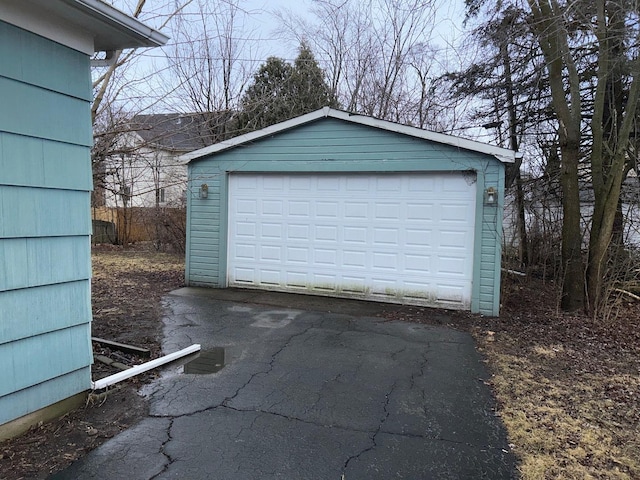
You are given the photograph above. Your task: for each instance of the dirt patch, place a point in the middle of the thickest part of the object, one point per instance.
(568, 387)
(127, 287)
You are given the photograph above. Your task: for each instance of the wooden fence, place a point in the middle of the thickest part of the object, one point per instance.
(163, 226)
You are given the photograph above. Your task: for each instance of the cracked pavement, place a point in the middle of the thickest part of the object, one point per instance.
(312, 388)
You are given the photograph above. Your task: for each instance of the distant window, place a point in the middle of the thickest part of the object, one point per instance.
(160, 195)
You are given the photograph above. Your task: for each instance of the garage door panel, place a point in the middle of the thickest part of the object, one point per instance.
(270, 253)
(454, 213)
(246, 229)
(391, 183)
(389, 237)
(450, 293)
(273, 208)
(353, 285)
(270, 277)
(356, 210)
(296, 279)
(354, 259)
(452, 239)
(327, 184)
(327, 210)
(385, 261)
(246, 207)
(419, 238)
(298, 232)
(357, 183)
(244, 275)
(421, 184)
(418, 264)
(270, 231)
(387, 210)
(326, 233)
(246, 183)
(300, 183)
(325, 257)
(386, 236)
(299, 208)
(245, 251)
(451, 266)
(419, 212)
(298, 255)
(355, 235)
(273, 183)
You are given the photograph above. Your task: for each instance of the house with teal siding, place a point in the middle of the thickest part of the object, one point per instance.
(45, 186)
(339, 204)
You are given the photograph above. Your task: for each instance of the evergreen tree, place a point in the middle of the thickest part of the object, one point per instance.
(281, 91)
(310, 90)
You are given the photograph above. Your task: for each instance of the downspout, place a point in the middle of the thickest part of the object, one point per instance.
(133, 371)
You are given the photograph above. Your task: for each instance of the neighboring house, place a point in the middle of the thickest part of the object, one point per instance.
(338, 204)
(543, 211)
(45, 188)
(148, 171)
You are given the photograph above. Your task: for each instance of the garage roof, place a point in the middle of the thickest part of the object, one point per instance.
(502, 154)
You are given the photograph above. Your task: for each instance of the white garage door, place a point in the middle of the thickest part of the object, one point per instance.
(390, 237)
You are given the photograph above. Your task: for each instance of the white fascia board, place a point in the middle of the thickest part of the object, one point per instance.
(502, 154)
(85, 25)
(256, 135)
(127, 30)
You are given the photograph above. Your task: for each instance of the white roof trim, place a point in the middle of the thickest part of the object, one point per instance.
(84, 25)
(143, 35)
(502, 154)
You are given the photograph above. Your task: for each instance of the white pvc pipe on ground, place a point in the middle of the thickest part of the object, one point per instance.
(133, 371)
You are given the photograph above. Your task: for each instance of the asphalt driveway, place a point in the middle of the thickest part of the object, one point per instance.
(311, 388)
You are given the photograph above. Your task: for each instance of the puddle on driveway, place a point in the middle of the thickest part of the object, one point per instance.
(207, 361)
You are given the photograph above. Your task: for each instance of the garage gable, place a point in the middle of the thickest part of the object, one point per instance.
(260, 214)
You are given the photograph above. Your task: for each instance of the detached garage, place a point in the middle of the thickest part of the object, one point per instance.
(344, 205)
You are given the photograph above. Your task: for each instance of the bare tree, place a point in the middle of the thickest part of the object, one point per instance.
(213, 52)
(606, 28)
(119, 92)
(375, 54)
(613, 119)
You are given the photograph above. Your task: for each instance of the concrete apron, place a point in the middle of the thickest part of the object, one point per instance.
(310, 389)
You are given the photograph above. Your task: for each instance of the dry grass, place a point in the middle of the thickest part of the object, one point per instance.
(568, 388)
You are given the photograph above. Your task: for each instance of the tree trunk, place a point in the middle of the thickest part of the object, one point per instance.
(601, 230)
(611, 126)
(523, 250)
(523, 247)
(573, 271)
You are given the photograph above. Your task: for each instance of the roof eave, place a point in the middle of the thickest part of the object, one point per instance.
(87, 26)
(139, 34)
(502, 154)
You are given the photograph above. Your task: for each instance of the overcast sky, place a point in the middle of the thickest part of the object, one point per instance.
(450, 14)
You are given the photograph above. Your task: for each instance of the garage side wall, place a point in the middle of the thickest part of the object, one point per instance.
(488, 242)
(45, 185)
(332, 145)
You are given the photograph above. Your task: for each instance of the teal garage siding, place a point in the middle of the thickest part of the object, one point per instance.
(333, 143)
(45, 185)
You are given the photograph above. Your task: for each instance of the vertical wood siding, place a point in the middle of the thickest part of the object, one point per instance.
(332, 145)
(45, 227)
